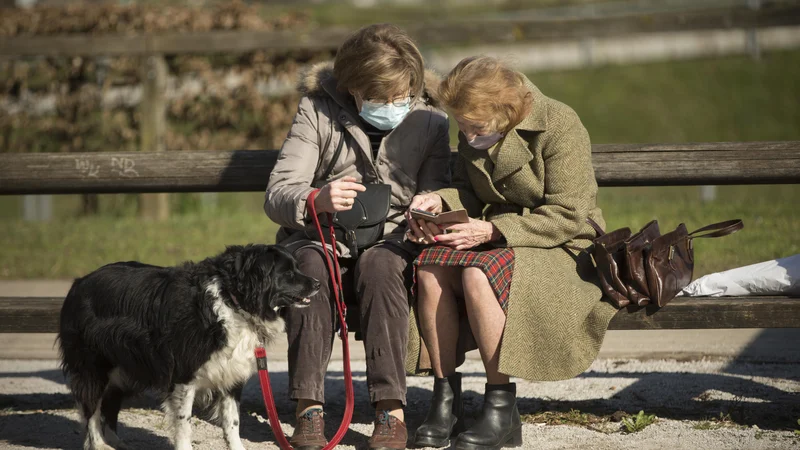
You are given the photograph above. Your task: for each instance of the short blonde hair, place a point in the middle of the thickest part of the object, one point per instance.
(482, 89)
(378, 61)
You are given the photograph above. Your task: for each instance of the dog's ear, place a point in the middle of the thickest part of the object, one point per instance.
(234, 258)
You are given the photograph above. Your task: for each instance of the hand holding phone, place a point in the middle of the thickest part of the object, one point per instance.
(421, 229)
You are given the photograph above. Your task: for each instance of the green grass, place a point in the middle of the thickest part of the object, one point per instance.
(716, 100)
(637, 423)
(71, 246)
(727, 99)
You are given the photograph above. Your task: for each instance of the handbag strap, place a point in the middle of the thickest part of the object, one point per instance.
(334, 159)
(596, 227)
(261, 355)
(719, 229)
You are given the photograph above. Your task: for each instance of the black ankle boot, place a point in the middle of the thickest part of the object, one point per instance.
(499, 424)
(445, 418)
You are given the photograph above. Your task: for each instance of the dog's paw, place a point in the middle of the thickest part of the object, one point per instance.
(114, 440)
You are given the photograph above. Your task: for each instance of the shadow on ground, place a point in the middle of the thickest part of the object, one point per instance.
(38, 419)
(47, 430)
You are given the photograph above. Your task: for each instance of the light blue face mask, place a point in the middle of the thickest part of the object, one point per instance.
(383, 116)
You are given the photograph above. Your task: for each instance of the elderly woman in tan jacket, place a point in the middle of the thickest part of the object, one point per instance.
(373, 101)
(524, 174)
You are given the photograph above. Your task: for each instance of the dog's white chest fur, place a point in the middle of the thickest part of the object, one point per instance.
(235, 363)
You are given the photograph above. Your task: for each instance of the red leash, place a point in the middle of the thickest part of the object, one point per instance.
(341, 309)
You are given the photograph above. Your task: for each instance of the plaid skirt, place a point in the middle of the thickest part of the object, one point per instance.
(496, 263)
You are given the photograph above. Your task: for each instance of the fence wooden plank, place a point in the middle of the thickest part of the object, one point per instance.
(701, 313)
(426, 33)
(248, 170)
(29, 314)
(40, 314)
(153, 128)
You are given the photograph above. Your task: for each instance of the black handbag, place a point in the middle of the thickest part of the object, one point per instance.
(362, 225)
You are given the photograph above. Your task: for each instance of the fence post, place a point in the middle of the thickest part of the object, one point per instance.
(587, 52)
(751, 34)
(37, 208)
(708, 193)
(153, 128)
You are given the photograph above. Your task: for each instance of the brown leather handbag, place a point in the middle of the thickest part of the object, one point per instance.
(648, 267)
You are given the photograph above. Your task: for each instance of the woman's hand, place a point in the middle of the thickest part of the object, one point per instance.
(421, 231)
(338, 195)
(463, 236)
(426, 202)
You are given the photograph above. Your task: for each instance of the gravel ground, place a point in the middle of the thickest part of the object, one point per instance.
(701, 404)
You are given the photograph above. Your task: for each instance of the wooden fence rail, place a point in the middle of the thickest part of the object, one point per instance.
(427, 33)
(248, 170)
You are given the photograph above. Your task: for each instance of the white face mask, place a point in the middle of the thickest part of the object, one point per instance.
(484, 142)
(383, 116)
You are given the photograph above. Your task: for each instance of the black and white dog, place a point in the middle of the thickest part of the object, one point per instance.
(188, 332)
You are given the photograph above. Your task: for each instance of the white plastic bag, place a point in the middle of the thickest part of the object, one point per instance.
(775, 277)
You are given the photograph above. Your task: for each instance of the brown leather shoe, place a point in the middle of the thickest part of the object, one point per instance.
(390, 433)
(309, 432)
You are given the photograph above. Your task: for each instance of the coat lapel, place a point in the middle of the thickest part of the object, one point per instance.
(511, 156)
(482, 163)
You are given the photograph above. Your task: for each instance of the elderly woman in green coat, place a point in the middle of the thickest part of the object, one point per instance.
(533, 307)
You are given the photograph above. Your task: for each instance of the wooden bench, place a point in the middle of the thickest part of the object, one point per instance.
(231, 171)
(40, 314)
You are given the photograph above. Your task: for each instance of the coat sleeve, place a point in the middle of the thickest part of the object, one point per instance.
(435, 170)
(569, 191)
(291, 179)
(461, 194)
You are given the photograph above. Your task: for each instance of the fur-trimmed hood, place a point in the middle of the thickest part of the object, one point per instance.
(318, 80)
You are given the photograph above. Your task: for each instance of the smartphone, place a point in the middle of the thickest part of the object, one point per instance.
(423, 215)
(457, 216)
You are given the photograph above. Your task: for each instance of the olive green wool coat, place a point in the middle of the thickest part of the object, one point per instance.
(538, 191)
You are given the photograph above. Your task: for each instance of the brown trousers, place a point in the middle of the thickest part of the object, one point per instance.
(377, 283)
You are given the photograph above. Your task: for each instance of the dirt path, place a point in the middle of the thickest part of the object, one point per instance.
(720, 404)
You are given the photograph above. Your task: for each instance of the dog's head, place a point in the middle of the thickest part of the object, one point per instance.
(263, 278)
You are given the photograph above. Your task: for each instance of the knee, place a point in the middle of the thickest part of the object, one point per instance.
(379, 265)
(473, 278)
(381, 281)
(432, 277)
(311, 262)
